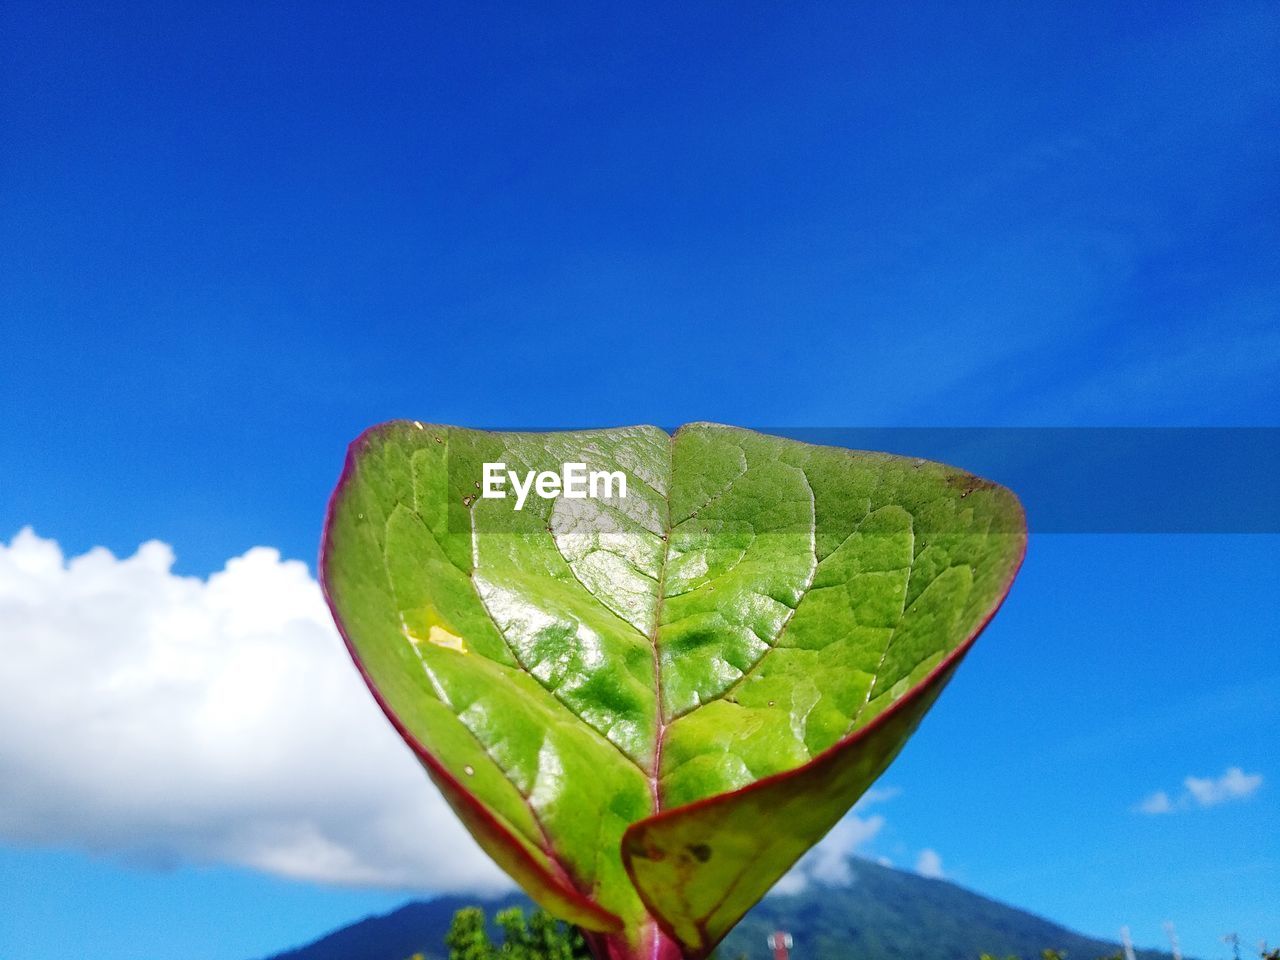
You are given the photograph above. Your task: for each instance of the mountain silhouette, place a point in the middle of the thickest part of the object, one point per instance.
(881, 914)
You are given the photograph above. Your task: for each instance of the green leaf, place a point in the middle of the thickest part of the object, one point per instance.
(646, 708)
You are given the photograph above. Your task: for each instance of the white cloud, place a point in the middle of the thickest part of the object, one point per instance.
(1158, 802)
(929, 864)
(176, 719)
(1234, 784)
(875, 795)
(828, 862)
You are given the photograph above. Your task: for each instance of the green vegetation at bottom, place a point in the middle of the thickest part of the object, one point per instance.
(540, 937)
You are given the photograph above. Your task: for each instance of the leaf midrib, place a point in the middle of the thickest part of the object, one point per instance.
(660, 724)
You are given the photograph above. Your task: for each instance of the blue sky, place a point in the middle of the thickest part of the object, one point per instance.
(231, 237)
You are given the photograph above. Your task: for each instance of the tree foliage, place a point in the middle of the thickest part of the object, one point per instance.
(537, 937)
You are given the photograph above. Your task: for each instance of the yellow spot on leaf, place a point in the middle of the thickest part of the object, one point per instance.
(425, 625)
(443, 638)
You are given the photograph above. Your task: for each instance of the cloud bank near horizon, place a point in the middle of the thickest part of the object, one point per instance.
(168, 719)
(929, 864)
(827, 863)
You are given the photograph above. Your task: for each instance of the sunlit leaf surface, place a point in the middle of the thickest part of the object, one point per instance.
(646, 708)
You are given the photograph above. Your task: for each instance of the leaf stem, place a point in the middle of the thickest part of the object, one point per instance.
(652, 944)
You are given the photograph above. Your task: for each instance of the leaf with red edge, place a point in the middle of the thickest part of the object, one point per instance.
(647, 707)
